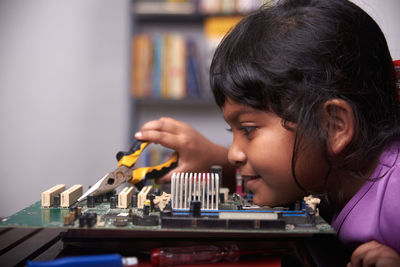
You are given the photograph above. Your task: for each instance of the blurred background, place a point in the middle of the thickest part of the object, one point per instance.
(72, 93)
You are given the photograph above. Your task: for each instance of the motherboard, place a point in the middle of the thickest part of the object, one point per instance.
(193, 203)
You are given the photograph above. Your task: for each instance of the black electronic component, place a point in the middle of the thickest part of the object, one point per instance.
(157, 191)
(311, 216)
(82, 221)
(56, 201)
(241, 224)
(107, 196)
(90, 201)
(98, 199)
(113, 202)
(91, 219)
(195, 207)
(151, 197)
(146, 207)
(150, 220)
(216, 223)
(134, 200)
(121, 221)
(168, 206)
(211, 223)
(221, 198)
(177, 222)
(166, 212)
(272, 224)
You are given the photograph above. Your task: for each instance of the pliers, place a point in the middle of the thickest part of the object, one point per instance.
(126, 172)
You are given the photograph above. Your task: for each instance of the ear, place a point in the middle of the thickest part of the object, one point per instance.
(339, 122)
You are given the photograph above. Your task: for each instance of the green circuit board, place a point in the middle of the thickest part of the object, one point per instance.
(293, 222)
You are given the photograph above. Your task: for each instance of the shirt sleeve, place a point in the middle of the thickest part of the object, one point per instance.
(389, 221)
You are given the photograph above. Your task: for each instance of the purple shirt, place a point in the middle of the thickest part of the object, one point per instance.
(374, 211)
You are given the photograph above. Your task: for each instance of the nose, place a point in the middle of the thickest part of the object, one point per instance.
(236, 155)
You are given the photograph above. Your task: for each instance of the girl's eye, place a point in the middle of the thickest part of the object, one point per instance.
(247, 129)
(229, 129)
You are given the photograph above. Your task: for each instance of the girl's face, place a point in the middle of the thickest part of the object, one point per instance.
(262, 150)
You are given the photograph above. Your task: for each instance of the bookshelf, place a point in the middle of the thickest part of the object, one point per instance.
(159, 27)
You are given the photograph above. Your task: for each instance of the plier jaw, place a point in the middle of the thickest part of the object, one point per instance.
(126, 172)
(114, 179)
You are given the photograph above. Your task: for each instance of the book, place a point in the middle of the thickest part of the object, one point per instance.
(157, 65)
(165, 66)
(141, 65)
(193, 78)
(176, 67)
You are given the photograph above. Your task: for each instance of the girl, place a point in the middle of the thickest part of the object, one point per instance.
(308, 89)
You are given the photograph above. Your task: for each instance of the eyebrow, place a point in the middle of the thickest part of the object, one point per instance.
(234, 115)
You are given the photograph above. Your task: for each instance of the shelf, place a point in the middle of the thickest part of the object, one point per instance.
(176, 102)
(151, 11)
(177, 17)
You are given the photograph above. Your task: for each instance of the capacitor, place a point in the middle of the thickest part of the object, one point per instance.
(134, 201)
(113, 202)
(195, 209)
(82, 221)
(222, 198)
(311, 216)
(90, 202)
(56, 201)
(91, 219)
(146, 207)
(151, 197)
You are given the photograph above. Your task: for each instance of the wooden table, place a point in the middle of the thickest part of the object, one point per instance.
(17, 245)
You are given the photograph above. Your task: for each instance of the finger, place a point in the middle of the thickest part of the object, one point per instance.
(163, 124)
(371, 257)
(163, 138)
(360, 252)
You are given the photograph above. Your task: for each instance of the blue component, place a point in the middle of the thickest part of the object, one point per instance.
(288, 213)
(110, 260)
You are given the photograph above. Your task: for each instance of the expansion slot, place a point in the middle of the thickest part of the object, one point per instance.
(71, 195)
(142, 196)
(125, 197)
(47, 196)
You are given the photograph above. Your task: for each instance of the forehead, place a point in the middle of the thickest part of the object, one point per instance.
(232, 110)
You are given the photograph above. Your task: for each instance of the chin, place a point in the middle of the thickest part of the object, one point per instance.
(265, 202)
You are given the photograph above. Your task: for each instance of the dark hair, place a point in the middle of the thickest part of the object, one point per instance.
(292, 57)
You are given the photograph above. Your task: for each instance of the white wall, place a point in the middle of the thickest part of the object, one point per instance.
(64, 94)
(386, 14)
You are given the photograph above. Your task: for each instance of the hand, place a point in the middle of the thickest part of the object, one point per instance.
(374, 254)
(196, 153)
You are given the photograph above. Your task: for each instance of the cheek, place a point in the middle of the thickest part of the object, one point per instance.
(311, 170)
(274, 158)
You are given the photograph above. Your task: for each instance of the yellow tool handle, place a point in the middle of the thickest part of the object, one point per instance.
(128, 159)
(155, 171)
